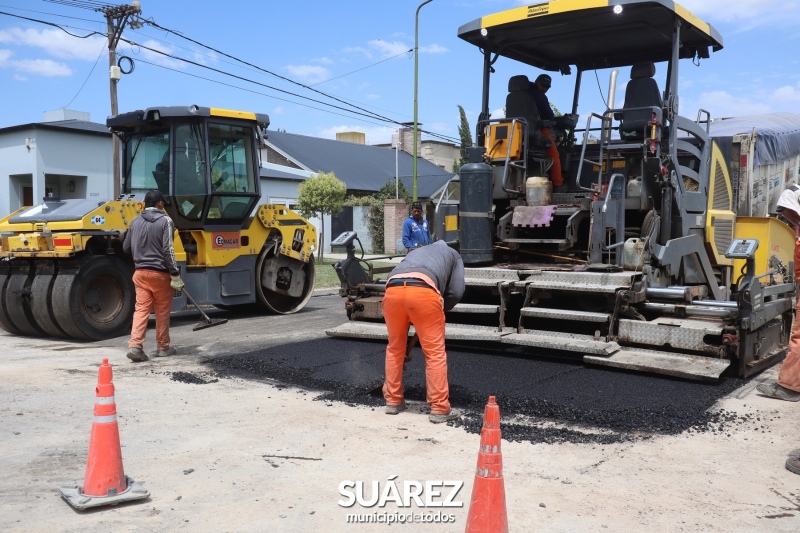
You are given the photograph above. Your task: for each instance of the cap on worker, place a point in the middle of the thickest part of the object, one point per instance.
(416, 205)
(789, 199)
(152, 198)
(544, 79)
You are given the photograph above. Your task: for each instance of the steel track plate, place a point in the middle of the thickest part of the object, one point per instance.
(695, 367)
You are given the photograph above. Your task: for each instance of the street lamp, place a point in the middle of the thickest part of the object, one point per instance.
(416, 65)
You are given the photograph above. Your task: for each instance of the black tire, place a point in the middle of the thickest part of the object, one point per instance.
(5, 320)
(277, 302)
(18, 299)
(97, 301)
(41, 299)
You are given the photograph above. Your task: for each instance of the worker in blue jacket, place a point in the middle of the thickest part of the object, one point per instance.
(415, 229)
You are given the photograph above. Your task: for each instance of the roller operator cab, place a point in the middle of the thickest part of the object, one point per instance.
(62, 268)
(636, 262)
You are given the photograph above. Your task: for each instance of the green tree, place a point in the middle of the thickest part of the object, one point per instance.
(376, 229)
(321, 194)
(466, 140)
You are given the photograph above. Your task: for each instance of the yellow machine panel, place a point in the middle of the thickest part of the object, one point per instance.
(774, 238)
(504, 140)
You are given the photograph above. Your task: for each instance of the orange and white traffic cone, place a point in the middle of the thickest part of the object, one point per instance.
(487, 509)
(105, 482)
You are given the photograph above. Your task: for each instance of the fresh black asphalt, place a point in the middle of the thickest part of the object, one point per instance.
(542, 399)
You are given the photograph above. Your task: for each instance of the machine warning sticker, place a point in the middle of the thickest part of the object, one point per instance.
(224, 239)
(98, 220)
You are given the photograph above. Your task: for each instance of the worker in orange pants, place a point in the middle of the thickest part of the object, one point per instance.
(428, 282)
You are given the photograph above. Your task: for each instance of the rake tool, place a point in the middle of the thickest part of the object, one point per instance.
(207, 322)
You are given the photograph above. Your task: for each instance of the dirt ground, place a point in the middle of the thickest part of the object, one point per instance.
(229, 454)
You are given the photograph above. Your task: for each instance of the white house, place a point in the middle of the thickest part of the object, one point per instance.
(66, 155)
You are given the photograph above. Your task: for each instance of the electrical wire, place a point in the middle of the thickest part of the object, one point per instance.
(88, 4)
(367, 114)
(102, 49)
(252, 91)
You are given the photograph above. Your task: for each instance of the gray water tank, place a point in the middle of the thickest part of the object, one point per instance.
(476, 219)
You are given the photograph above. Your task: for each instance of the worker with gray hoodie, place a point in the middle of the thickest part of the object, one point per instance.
(157, 275)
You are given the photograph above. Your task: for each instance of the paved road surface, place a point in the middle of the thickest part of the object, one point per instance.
(254, 424)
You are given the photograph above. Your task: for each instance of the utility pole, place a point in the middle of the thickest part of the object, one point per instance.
(116, 18)
(416, 68)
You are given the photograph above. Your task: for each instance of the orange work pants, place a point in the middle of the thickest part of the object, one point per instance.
(789, 375)
(153, 291)
(552, 151)
(422, 307)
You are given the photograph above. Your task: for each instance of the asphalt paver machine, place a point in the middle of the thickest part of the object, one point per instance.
(642, 263)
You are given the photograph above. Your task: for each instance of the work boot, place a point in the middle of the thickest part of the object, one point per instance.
(773, 390)
(137, 355)
(166, 353)
(793, 465)
(395, 409)
(441, 418)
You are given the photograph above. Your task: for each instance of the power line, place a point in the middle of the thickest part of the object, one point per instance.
(47, 13)
(236, 76)
(102, 49)
(363, 68)
(254, 91)
(154, 24)
(88, 4)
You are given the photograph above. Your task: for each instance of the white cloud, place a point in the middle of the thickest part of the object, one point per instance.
(323, 60)
(388, 49)
(279, 110)
(203, 58)
(747, 14)
(372, 96)
(56, 43)
(42, 67)
(308, 73)
(360, 50)
(433, 49)
(160, 58)
(725, 104)
(439, 127)
(374, 135)
(787, 94)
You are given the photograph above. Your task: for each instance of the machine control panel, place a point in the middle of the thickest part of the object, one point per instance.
(742, 249)
(344, 238)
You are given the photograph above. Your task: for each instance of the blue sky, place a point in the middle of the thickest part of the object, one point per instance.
(356, 51)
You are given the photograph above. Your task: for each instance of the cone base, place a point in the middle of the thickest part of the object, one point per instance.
(78, 500)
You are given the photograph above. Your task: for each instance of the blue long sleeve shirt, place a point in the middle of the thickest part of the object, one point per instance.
(415, 233)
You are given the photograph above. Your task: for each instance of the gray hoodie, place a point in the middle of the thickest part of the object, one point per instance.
(149, 240)
(440, 263)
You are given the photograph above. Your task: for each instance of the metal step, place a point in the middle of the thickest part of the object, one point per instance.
(556, 340)
(377, 331)
(564, 314)
(695, 367)
(476, 308)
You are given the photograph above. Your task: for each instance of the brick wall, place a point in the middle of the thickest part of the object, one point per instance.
(394, 214)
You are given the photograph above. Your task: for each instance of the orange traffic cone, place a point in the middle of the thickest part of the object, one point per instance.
(487, 509)
(105, 482)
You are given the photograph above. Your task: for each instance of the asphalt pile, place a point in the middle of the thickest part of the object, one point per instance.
(545, 400)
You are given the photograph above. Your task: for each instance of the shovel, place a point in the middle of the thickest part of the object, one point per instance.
(207, 322)
(410, 346)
